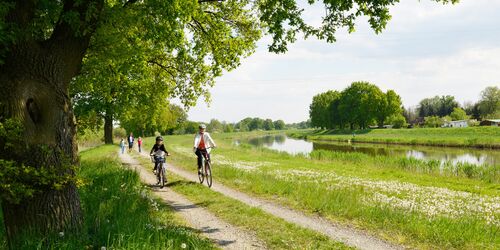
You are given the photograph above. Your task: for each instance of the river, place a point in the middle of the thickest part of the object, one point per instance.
(454, 155)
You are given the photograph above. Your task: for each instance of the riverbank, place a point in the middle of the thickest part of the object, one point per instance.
(406, 206)
(478, 137)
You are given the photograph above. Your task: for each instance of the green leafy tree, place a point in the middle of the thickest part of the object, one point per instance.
(397, 121)
(268, 124)
(429, 107)
(215, 126)
(244, 125)
(472, 110)
(44, 43)
(389, 105)
(256, 124)
(228, 127)
(359, 103)
(437, 106)
(447, 104)
(433, 121)
(489, 104)
(458, 114)
(319, 110)
(279, 125)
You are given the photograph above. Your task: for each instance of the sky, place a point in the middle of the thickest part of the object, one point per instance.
(427, 49)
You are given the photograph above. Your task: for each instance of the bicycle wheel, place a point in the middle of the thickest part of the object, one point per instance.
(158, 175)
(163, 176)
(208, 170)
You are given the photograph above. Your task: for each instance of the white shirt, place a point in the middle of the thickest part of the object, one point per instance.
(206, 138)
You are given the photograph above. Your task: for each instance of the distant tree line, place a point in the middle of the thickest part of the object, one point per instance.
(358, 106)
(247, 124)
(435, 111)
(363, 104)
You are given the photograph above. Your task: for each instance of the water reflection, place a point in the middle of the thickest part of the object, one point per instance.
(454, 155)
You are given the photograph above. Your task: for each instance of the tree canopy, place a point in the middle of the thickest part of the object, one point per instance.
(437, 106)
(489, 104)
(360, 105)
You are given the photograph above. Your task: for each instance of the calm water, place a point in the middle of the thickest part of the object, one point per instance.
(295, 146)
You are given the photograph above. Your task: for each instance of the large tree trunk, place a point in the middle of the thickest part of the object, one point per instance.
(34, 82)
(35, 91)
(108, 127)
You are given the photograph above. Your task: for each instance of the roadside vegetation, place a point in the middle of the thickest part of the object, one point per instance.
(407, 205)
(119, 213)
(275, 232)
(481, 137)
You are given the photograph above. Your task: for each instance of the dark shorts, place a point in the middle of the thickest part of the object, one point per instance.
(130, 145)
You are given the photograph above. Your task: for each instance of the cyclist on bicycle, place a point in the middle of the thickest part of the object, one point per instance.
(158, 151)
(202, 144)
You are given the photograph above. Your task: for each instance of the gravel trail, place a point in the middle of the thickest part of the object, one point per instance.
(222, 233)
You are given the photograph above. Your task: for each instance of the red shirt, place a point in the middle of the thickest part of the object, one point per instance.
(202, 143)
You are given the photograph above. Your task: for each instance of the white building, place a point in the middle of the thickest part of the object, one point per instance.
(456, 124)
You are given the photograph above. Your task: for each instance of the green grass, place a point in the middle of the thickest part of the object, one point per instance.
(485, 172)
(119, 212)
(275, 232)
(343, 188)
(482, 137)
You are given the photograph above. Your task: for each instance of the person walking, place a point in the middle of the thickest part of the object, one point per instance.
(130, 142)
(122, 145)
(139, 143)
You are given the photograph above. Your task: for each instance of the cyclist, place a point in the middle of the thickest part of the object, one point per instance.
(202, 144)
(158, 151)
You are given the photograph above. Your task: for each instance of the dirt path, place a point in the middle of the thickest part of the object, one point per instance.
(223, 234)
(352, 237)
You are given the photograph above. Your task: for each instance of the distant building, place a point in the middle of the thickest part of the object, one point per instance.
(490, 122)
(456, 124)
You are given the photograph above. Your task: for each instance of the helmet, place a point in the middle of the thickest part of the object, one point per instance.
(159, 138)
(202, 126)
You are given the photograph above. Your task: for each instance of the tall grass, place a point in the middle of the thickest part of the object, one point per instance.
(119, 213)
(483, 172)
(347, 204)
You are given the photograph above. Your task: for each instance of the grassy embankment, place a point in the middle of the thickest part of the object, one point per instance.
(423, 209)
(480, 137)
(274, 232)
(119, 213)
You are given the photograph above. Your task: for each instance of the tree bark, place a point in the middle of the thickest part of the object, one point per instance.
(108, 127)
(34, 83)
(34, 87)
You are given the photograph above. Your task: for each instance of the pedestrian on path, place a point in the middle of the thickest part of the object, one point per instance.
(122, 145)
(130, 142)
(139, 143)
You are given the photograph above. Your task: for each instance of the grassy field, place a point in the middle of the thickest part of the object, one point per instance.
(119, 213)
(481, 137)
(275, 232)
(422, 209)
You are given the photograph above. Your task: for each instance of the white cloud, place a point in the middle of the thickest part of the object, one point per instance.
(428, 49)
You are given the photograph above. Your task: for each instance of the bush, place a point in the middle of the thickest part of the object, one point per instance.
(397, 121)
(433, 122)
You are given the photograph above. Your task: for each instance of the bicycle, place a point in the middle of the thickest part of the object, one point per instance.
(206, 170)
(161, 171)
